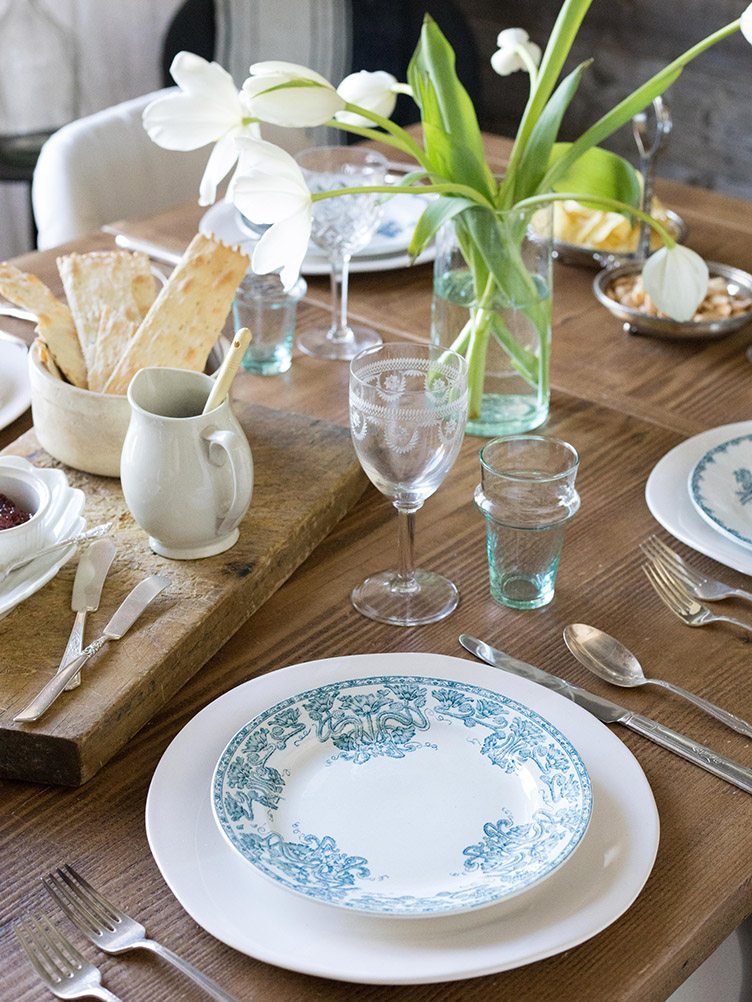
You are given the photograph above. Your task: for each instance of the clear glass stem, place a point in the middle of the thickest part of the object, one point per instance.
(405, 581)
(340, 329)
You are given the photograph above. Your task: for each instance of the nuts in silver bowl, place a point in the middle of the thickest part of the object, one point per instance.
(726, 308)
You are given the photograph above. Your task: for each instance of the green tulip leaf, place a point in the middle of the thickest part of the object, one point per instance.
(433, 218)
(537, 153)
(596, 172)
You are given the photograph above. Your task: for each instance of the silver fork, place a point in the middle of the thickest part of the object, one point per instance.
(111, 929)
(700, 585)
(58, 963)
(681, 602)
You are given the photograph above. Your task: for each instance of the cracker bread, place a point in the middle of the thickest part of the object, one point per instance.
(55, 324)
(188, 314)
(104, 278)
(116, 328)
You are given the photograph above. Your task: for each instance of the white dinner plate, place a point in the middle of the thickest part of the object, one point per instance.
(667, 497)
(402, 795)
(15, 392)
(720, 486)
(222, 221)
(63, 518)
(234, 903)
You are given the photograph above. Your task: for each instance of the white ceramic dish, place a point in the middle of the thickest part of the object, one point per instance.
(432, 797)
(62, 519)
(238, 906)
(29, 491)
(15, 392)
(720, 486)
(222, 221)
(81, 428)
(667, 497)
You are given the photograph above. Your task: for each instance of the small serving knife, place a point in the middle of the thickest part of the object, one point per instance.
(611, 713)
(127, 614)
(87, 590)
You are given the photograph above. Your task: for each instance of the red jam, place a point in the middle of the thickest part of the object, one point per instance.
(10, 514)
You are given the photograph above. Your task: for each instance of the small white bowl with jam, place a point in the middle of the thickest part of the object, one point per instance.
(24, 500)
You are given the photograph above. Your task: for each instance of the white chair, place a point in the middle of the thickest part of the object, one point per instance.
(103, 168)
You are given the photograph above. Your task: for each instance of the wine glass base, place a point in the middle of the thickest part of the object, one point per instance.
(382, 597)
(318, 343)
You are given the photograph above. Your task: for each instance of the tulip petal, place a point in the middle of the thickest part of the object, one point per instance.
(182, 122)
(284, 246)
(196, 76)
(288, 71)
(746, 24)
(268, 198)
(676, 280)
(220, 163)
(369, 90)
(297, 107)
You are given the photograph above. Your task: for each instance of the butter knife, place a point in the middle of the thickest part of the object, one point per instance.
(126, 615)
(91, 572)
(611, 713)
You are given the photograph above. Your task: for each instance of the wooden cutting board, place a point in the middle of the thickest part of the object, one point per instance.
(306, 478)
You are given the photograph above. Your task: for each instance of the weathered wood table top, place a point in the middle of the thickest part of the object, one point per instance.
(623, 402)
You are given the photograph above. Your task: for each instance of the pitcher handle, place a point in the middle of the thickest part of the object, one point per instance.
(221, 443)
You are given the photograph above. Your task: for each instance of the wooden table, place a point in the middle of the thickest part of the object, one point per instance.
(624, 402)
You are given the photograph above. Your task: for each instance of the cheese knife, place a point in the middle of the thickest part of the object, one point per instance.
(611, 713)
(87, 590)
(126, 615)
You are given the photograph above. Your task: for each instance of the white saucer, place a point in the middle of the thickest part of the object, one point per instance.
(667, 497)
(63, 519)
(222, 221)
(238, 906)
(15, 392)
(720, 486)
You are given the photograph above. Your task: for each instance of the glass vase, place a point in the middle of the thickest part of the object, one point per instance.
(504, 328)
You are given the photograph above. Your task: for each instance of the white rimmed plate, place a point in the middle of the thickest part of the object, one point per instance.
(720, 486)
(222, 220)
(402, 795)
(667, 497)
(234, 903)
(63, 519)
(15, 392)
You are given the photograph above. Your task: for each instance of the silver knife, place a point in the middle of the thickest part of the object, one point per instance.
(611, 713)
(127, 614)
(91, 572)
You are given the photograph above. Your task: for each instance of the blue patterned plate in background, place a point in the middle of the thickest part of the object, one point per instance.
(402, 796)
(720, 486)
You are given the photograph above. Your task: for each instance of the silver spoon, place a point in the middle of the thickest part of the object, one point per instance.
(608, 659)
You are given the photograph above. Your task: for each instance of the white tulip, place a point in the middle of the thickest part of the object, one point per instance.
(676, 279)
(269, 188)
(746, 24)
(515, 52)
(372, 91)
(290, 95)
(208, 109)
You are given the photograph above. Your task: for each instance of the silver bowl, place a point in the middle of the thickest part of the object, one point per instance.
(590, 257)
(636, 322)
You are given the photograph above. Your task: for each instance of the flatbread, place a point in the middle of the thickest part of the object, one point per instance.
(188, 314)
(116, 328)
(105, 278)
(55, 326)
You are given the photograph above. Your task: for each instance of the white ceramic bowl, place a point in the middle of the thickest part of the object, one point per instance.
(28, 492)
(81, 428)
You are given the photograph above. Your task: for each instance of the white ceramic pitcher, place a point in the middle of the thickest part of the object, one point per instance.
(187, 477)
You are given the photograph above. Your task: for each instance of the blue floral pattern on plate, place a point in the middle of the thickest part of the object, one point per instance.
(463, 796)
(720, 486)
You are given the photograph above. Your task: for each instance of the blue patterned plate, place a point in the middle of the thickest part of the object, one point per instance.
(720, 486)
(402, 796)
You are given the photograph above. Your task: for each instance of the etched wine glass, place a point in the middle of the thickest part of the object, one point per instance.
(341, 226)
(408, 408)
